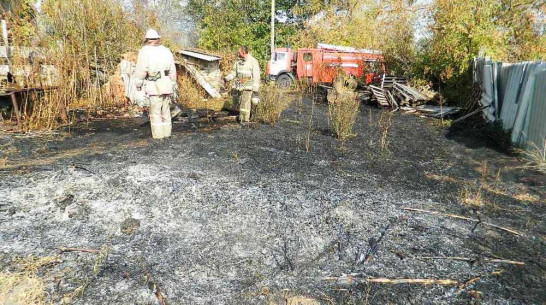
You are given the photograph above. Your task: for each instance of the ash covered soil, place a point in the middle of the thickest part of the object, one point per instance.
(230, 215)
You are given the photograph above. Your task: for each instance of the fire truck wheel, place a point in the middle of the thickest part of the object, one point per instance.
(284, 81)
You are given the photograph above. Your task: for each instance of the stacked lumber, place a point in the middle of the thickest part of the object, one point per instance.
(379, 95)
(394, 92)
(387, 82)
(408, 95)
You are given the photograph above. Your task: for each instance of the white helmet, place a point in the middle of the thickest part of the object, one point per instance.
(152, 34)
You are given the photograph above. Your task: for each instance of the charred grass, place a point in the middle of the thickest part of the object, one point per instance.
(248, 215)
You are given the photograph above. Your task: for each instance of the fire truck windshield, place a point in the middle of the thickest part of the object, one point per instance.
(279, 56)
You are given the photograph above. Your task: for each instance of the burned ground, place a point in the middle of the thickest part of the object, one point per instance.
(230, 215)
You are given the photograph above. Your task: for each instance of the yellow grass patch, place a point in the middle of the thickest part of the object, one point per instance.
(19, 288)
(526, 197)
(472, 197)
(24, 287)
(51, 159)
(441, 178)
(520, 196)
(192, 96)
(301, 300)
(494, 190)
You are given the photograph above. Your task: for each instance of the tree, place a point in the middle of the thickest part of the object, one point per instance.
(21, 17)
(224, 25)
(462, 29)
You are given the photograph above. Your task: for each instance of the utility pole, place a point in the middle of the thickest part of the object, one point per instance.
(272, 26)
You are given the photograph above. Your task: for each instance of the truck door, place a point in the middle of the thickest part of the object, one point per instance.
(305, 64)
(279, 64)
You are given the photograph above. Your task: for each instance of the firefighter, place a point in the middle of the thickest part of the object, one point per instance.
(246, 72)
(155, 73)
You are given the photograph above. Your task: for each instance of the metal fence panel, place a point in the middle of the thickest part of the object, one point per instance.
(537, 120)
(516, 94)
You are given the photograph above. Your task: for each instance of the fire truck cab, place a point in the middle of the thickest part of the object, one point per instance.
(321, 65)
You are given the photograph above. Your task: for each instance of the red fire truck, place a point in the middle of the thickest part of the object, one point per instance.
(320, 65)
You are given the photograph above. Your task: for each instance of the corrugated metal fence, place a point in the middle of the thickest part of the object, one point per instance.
(514, 93)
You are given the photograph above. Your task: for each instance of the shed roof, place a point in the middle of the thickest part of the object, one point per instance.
(199, 55)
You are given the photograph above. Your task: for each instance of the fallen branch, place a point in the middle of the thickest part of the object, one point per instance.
(474, 280)
(373, 243)
(446, 282)
(470, 114)
(488, 260)
(353, 278)
(465, 218)
(155, 289)
(226, 119)
(65, 249)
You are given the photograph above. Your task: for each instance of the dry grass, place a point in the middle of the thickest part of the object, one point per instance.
(273, 101)
(193, 96)
(343, 109)
(535, 156)
(23, 286)
(304, 89)
(85, 42)
(384, 123)
(301, 300)
(440, 178)
(19, 288)
(526, 197)
(78, 47)
(471, 197)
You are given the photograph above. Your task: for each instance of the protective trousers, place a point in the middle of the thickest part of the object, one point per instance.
(160, 116)
(244, 105)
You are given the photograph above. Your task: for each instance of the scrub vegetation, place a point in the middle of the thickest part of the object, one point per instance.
(273, 101)
(343, 110)
(84, 41)
(535, 157)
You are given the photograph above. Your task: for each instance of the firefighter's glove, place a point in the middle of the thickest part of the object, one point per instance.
(255, 98)
(229, 77)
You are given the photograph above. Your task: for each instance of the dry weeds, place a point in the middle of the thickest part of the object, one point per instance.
(193, 96)
(273, 101)
(23, 286)
(472, 197)
(535, 156)
(384, 123)
(21, 289)
(76, 49)
(343, 109)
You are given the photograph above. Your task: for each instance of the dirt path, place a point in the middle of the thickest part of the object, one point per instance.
(247, 216)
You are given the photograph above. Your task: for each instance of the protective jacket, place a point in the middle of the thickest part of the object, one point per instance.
(246, 73)
(155, 70)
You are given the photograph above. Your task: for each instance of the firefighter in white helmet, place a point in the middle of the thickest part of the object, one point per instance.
(155, 72)
(246, 72)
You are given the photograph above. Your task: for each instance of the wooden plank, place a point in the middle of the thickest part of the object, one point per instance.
(16, 108)
(200, 79)
(226, 119)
